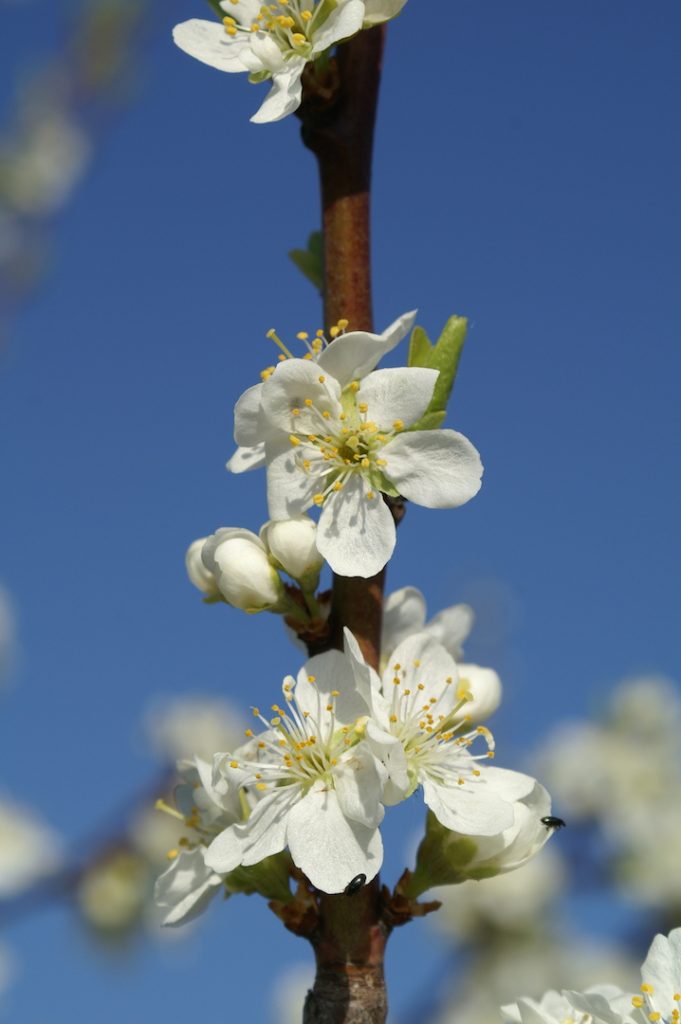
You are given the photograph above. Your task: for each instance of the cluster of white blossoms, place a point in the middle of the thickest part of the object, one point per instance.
(273, 42)
(342, 745)
(658, 1000)
(335, 433)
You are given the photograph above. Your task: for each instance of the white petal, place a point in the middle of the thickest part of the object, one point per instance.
(186, 887)
(209, 43)
(424, 662)
(390, 752)
(359, 780)
(290, 489)
(434, 468)
(294, 383)
(327, 847)
(508, 784)
(377, 11)
(226, 851)
(355, 354)
(473, 811)
(451, 627)
(342, 23)
(245, 11)
(331, 671)
(284, 96)
(401, 393)
(367, 681)
(356, 534)
(267, 824)
(662, 969)
(404, 613)
(247, 458)
(247, 429)
(484, 687)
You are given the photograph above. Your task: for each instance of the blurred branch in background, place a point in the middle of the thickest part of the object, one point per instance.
(54, 126)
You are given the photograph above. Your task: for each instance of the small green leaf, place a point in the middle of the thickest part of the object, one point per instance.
(444, 356)
(310, 261)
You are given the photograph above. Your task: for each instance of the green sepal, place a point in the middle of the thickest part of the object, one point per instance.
(256, 77)
(444, 356)
(269, 878)
(310, 261)
(442, 859)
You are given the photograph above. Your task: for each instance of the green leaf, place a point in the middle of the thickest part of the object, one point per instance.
(310, 261)
(444, 356)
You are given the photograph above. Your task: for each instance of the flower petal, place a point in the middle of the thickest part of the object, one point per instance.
(359, 779)
(404, 613)
(451, 627)
(474, 810)
(424, 663)
(377, 11)
(247, 427)
(286, 394)
(208, 42)
(284, 96)
(290, 489)
(331, 672)
(355, 354)
(186, 887)
(401, 393)
(662, 969)
(434, 468)
(390, 752)
(247, 458)
(327, 847)
(342, 23)
(356, 534)
(484, 688)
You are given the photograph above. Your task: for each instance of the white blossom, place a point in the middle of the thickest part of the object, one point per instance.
(556, 1008)
(336, 441)
(319, 784)
(29, 849)
(404, 613)
(112, 892)
(246, 578)
(419, 730)
(292, 543)
(274, 42)
(181, 727)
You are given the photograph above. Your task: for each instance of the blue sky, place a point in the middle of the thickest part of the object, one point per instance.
(526, 175)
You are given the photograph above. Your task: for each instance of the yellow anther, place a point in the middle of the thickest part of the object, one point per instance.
(295, 412)
(371, 495)
(248, 733)
(648, 989)
(362, 407)
(255, 27)
(261, 745)
(172, 854)
(335, 693)
(338, 486)
(229, 21)
(256, 712)
(343, 324)
(394, 718)
(366, 462)
(295, 441)
(460, 781)
(677, 997)
(398, 425)
(326, 414)
(417, 663)
(275, 721)
(381, 462)
(261, 786)
(354, 386)
(318, 499)
(476, 772)
(406, 693)
(230, 30)
(233, 764)
(490, 754)
(267, 372)
(322, 378)
(308, 402)
(420, 686)
(302, 335)
(654, 1016)
(312, 679)
(334, 332)
(329, 707)
(319, 333)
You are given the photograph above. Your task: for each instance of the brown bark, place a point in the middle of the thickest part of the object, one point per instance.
(338, 116)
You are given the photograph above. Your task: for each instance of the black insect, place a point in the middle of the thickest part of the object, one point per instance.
(355, 885)
(552, 822)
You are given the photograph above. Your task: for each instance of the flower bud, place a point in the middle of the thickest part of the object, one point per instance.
(238, 561)
(292, 542)
(199, 575)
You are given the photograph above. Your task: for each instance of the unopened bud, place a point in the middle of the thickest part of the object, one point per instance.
(293, 543)
(200, 576)
(238, 561)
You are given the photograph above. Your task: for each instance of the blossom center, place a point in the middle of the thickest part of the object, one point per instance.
(645, 1002)
(290, 23)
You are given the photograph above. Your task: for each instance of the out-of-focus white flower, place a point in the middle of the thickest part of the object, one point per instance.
(660, 993)
(181, 727)
(293, 544)
(320, 786)
(44, 164)
(200, 576)
(510, 902)
(276, 41)
(113, 891)
(239, 562)
(290, 989)
(29, 849)
(404, 613)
